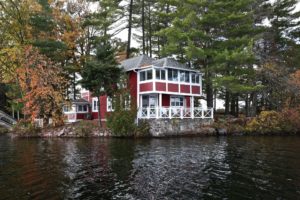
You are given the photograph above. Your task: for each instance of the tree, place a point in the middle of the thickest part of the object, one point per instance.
(100, 74)
(43, 85)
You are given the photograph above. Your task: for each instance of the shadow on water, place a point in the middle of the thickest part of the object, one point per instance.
(178, 168)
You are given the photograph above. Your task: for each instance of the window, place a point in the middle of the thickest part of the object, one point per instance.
(195, 78)
(172, 74)
(160, 74)
(176, 101)
(67, 108)
(82, 108)
(110, 104)
(184, 76)
(95, 104)
(127, 102)
(146, 75)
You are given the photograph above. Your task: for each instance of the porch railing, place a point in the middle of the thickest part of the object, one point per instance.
(175, 112)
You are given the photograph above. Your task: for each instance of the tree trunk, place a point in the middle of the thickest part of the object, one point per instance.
(247, 105)
(143, 25)
(227, 103)
(232, 105)
(99, 112)
(129, 29)
(253, 105)
(237, 106)
(150, 30)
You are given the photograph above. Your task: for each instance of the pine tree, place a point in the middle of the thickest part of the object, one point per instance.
(100, 74)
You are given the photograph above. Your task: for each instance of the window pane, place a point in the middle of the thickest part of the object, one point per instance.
(175, 75)
(85, 108)
(169, 74)
(162, 75)
(193, 78)
(142, 76)
(157, 72)
(187, 77)
(197, 78)
(182, 76)
(149, 74)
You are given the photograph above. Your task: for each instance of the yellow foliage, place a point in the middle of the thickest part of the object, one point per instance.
(266, 122)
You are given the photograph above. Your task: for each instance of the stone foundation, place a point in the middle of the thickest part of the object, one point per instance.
(179, 127)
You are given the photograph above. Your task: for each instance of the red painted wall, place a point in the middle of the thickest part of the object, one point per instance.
(145, 87)
(165, 100)
(160, 86)
(102, 108)
(196, 89)
(188, 101)
(185, 88)
(172, 87)
(132, 83)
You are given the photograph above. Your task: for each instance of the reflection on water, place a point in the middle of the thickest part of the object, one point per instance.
(179, 168)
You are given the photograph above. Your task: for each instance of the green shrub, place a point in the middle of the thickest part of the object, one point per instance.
(142, 129)
(84, 128)
(122, 122)
(26, 128)
(266, 122)
(3, 130)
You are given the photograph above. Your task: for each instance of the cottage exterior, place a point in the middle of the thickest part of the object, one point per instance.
(161, 88)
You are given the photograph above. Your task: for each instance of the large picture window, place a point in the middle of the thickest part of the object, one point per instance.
(160, 74)
(172, 74)
(195, 78)
(146, 75)
(184, 76)
(176, 101)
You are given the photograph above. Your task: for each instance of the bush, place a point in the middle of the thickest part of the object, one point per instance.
(122, 122)
(3, 130)
(84, 128)
(291, 120)
(143, 129)
(266, 122)
(26, 128)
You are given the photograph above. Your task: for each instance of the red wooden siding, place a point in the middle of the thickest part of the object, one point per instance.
(165, 100)
(172, 87)
(188, 101)
(185, 88)
(145, 87)
(196, 89)
(160, 86)
(102, 109)
(133, 86)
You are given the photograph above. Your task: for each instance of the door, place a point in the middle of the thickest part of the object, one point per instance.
(149, 104)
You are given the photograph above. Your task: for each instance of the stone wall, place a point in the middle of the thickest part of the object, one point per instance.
(173, 127)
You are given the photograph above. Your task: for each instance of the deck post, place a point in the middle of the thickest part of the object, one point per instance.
(192, 107)
(202, 113)
(181, 112)
(148, 112)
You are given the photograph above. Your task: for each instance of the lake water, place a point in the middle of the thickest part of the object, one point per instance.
(178, 168)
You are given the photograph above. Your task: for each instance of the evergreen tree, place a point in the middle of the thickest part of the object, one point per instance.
(100, 74)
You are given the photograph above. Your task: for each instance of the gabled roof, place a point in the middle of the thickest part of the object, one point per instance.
(168, 62)
(136, 62)
(143, 60)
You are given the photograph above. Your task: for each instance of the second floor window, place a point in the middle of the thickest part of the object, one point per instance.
(184, 76)
(146, 75)
(172, 74)
(160, 74)
(82, 108)
(195, 78)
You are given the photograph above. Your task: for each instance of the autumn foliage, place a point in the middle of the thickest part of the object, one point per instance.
(43, 85)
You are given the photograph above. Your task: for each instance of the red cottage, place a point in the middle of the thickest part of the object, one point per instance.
(161, 88)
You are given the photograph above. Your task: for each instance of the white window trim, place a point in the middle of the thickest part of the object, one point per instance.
(183, 101)
(93, 107)
(109, 101)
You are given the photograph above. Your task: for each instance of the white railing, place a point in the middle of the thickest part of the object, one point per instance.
(6, 120)
(175, 112)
